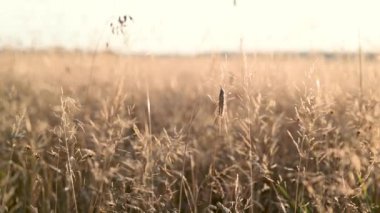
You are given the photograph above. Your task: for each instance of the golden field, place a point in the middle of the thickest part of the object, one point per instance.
(84, 132)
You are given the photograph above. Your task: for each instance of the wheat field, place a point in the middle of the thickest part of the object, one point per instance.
(101, 132)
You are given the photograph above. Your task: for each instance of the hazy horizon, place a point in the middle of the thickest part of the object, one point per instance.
(170, 26)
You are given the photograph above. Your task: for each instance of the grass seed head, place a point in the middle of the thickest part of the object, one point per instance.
(221, 102)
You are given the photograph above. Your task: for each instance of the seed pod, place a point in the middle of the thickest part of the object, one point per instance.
(221, 102)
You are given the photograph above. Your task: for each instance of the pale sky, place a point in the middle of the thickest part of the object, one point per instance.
(179, 26)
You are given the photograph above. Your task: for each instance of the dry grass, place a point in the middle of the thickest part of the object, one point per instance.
(140, 134)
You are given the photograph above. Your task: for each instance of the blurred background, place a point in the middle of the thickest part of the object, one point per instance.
(178, 26)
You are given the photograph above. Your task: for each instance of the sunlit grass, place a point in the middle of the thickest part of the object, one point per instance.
(259, 133)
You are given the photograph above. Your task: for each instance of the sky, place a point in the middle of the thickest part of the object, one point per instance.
(179, 26)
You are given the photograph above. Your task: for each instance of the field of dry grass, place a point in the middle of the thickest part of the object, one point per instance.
(110, 133)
